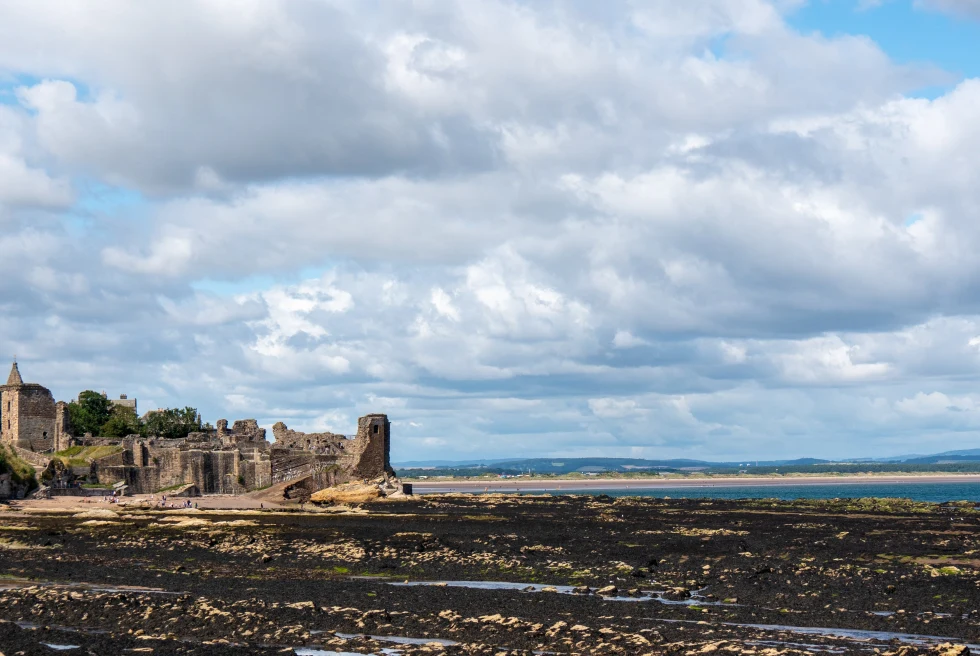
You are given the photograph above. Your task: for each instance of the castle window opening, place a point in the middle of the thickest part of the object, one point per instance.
(375, 429)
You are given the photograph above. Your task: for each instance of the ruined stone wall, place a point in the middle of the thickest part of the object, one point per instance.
(255, 467)
(193, 469)
(62, 426)
(9, 424)
(288, 464)
(163, 443)
(332, 459)
(112, 459)
(172, 467)
(10, 416)
(141, 480)
(373, 445)
(88, 440)
(316, 442)
(237, 460)
(224, 470)
(32, 458)
(147, 467)
(257, 473)
(243, 431)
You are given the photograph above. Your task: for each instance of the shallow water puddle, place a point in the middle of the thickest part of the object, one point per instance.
(304, 651)
(488, 585)
(399, 640)
(861, 635)
(809, 646)
(70, 629)
(14, 584)
(857, 634)
(60, 647)
(697, 598)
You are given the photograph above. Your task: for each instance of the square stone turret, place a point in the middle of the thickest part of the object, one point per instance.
(28, 416)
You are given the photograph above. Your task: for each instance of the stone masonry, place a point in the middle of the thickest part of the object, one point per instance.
(333, 459)
(326, 443)
(28, 414)
(221, 461)
(149, 465)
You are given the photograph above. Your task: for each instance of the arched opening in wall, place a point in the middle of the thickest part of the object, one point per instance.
(44, 434)
(375, 429)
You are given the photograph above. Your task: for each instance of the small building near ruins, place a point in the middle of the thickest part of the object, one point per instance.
(225, 460)
(124, 402)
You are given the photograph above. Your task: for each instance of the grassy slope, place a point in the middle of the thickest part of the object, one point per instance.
(82, 455)
(22, 471)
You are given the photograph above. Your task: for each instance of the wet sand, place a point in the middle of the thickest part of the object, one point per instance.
(597, 484)
(152, 501)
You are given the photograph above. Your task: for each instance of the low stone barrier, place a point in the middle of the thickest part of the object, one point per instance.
(35, 459)
(80, 492)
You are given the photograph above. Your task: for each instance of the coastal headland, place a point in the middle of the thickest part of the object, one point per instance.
(491, 574)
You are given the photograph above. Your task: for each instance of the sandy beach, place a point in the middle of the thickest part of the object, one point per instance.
(557, 485)
(151, 502)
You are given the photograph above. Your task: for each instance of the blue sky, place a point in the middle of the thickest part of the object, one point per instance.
(520, 229)
(908, 32)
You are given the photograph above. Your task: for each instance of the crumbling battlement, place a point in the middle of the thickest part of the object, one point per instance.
(243, 431)
(326, 443)
(334, 459)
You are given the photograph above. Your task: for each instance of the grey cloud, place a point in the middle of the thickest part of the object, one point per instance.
(423, 91)
(965, 8)
(160, 115)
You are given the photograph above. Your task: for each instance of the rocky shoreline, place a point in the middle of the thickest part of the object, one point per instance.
(462, 574)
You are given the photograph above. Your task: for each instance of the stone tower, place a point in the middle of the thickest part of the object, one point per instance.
(28, 417)
(374, 441)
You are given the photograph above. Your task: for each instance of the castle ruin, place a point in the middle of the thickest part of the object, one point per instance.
(220, 461)
(29, 417)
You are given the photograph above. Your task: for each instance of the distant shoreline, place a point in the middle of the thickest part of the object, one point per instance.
(555, 484)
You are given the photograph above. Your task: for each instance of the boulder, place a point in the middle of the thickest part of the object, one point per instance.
(349, 493)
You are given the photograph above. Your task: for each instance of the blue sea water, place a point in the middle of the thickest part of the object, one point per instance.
(925, 491)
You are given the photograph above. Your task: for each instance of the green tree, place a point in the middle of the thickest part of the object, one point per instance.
(122, 422)
(89, 413)
(172, 423)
